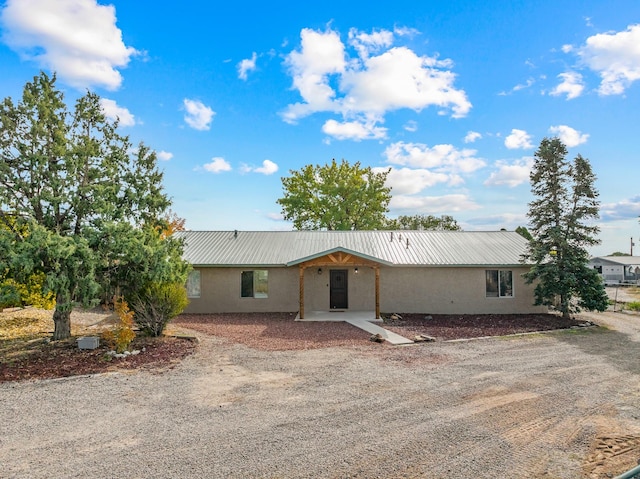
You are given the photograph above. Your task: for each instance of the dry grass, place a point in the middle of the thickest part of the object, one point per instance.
(25, 324)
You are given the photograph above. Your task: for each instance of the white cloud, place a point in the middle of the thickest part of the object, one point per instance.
(217, 165)
(377, 79)
(164, 155)
(572, 85)
(367, 43)
(411, 126)
(114, 112)
(353, 130)
(198, 116)
(443, 158)
(615, 57)
(398, 78)
(510, 174)
(568, 135)
(275, 216)
(409, 181)
(509, 221)
(625, 209)
(247, 65)
(320, 54)
(518, 139)
(472, 136)
(436, 205)
(518, 87)
(78, 39)
(268, 168)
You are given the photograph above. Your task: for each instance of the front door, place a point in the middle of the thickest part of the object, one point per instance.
(338, 291)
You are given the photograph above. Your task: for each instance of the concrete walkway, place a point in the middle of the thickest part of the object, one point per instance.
(360, 319)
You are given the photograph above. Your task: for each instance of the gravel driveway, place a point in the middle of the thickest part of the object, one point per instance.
(558, 405)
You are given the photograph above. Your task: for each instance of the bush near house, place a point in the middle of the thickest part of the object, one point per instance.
(158, 304)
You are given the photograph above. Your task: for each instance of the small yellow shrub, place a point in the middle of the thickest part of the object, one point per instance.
(123, 334)
(29, 293)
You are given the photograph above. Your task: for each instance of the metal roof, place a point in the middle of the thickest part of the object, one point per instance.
(622, 260)
(400, 248)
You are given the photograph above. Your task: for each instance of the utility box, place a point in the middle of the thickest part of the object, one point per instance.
(88, 342)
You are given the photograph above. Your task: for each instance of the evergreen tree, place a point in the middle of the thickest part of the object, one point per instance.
(562, 227)
(88, 206)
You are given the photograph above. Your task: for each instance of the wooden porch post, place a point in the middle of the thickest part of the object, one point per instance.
(301, 292)
(377, 270)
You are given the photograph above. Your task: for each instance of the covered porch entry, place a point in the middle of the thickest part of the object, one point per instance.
(335, 280)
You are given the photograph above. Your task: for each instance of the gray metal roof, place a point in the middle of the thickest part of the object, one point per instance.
(623, 260)
(287, 248)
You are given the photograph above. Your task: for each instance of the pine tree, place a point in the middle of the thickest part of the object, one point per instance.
(86, 203)
(562, 219)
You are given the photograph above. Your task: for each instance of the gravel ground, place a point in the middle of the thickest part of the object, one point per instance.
(554, 405)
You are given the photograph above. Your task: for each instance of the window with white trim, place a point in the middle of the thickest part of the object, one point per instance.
(499, 283)
(193, 284)
(254, 284)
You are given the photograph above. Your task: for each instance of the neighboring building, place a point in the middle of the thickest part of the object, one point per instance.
(437, 272)
(617, 269)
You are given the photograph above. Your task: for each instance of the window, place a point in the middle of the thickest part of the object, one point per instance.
(253, 284)
(499, 283)
(193, 284)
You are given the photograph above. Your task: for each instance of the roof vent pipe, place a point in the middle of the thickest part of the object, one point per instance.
(407, 243)
(235, 234)
(392, 236)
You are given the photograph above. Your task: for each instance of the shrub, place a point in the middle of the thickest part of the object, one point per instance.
(634, 305)
(9, 295)
(14, 294)
(158, 304)
(123, 334)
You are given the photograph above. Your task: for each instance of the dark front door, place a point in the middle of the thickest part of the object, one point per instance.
(338, 290)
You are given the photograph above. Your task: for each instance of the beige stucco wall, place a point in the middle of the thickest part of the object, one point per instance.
(220, 292)
(449, 291)
(402, 290)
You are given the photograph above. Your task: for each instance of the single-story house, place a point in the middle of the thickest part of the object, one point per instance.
(438, 272)
(617, 269)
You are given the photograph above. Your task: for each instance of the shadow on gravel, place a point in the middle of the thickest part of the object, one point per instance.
(615, 347)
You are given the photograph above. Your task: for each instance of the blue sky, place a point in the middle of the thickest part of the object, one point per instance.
(453, 96)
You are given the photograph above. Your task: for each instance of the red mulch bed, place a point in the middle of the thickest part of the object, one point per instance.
(41, 359)
(457, 326)
(279, 331)
(273, 331)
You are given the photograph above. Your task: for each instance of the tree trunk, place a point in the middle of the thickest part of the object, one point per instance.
(62, 322)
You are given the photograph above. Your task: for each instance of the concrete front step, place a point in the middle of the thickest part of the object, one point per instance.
(387, 335)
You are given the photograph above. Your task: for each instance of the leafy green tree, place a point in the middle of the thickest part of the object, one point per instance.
(87, 201)
(524, 232)
(424, 222)
(337, 196)
(562, 218)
